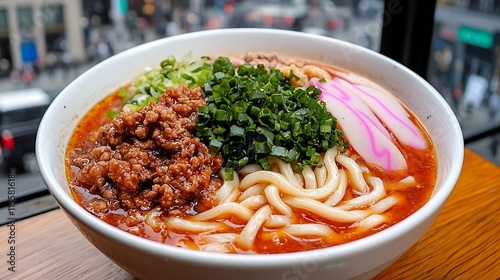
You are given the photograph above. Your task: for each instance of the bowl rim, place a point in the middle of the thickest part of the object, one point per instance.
(72, 208)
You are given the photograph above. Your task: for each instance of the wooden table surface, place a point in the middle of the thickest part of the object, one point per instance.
(463, 242)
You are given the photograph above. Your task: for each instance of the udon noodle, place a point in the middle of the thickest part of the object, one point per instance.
(267, 199)
(343, 199)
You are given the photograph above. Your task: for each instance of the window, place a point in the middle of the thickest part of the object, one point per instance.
(53, 23)
(25, 18)
(4, 23)
(53, 18)
(464, 66)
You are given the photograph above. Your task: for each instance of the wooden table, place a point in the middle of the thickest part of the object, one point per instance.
(463, 242)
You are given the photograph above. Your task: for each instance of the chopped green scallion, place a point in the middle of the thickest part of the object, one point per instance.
(254, 112)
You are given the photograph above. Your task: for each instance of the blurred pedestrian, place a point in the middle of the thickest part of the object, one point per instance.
(172, 28)
(103, 49)
(495, 142)
(65, 56)
(456, 96)
(50, 62)
(131, 21)
(493, 104)
(27, 76)
(474, 92)
(15, 76)
(443, 58)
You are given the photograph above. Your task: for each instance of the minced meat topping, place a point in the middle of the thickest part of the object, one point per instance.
(149, 158)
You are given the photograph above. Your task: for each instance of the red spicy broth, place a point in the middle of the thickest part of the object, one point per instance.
(422, 166)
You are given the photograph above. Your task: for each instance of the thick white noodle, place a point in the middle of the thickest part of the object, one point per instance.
(312, 230)
(320, 173)
(223, 210)
(250, 168)
(287, 183)
(299, 178)
(286, 187)
(371, 222)
(325, 211)
(384, 204)
(249, 232)
(228, 190)
(274, 199)
(277, 221)
(218, 242)
(355, 173)
(254, 202)
(232, 197)
(409, 180)
(364, 169)
(251, 191)
(377, 193)
(217, 248)
(330, 164)
(175, 223)
(332, 174)
(339, 193)
(224, 191)
(268, 198)
(405, 183)
(286, 170)
(151, 219)
(219, 238)
(309, 178)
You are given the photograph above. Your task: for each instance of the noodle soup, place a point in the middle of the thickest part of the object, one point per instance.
(150, 158)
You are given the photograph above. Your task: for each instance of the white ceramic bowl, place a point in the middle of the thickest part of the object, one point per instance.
(146, 259)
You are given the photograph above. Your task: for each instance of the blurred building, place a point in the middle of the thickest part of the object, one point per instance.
(40, 32)
(466, 43)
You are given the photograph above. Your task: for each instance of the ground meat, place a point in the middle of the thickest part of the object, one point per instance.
(269, 60)
(98, 205)
(150, 158)
(300, 67)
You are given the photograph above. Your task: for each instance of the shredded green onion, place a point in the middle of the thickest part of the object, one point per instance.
(149, 86)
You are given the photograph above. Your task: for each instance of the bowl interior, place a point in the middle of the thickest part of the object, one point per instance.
(77, 98)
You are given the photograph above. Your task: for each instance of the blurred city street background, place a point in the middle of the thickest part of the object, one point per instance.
(48, 43)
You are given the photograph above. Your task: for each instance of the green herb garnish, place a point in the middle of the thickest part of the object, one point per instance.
(254, 112)
(151, 85)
